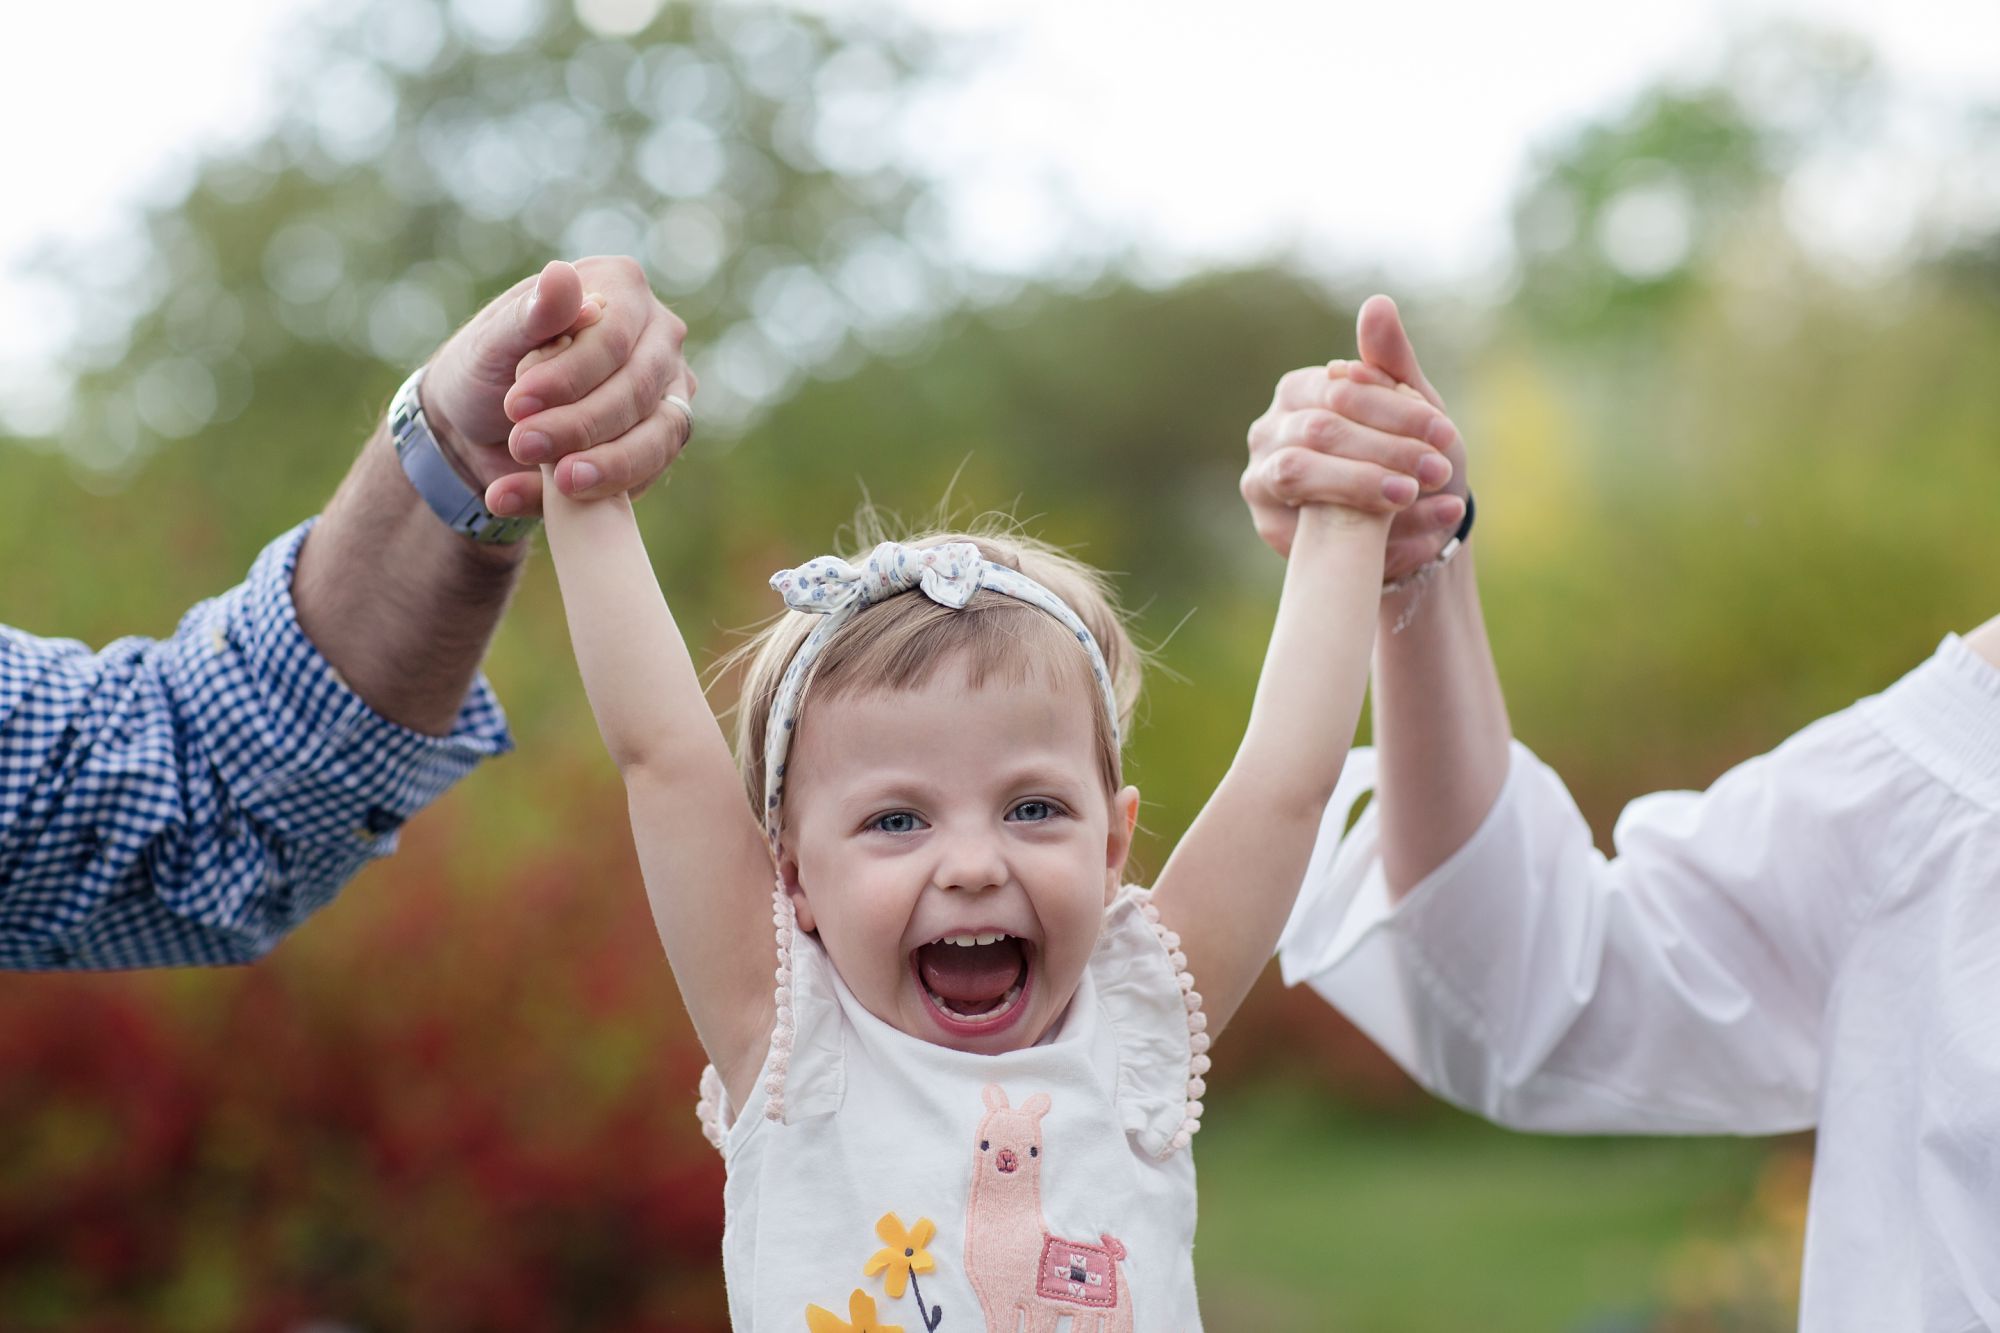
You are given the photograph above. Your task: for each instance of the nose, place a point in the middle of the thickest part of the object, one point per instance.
(1006, 1161)
(970, 859)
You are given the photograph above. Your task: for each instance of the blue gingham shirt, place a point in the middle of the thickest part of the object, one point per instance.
(192, 799)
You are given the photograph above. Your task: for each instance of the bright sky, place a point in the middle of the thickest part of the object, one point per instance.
(1367, 136)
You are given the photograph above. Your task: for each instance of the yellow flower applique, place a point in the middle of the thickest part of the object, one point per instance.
(860, 1317)
(903, 1252)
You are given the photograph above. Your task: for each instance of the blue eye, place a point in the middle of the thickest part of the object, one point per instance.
(1034, 812)
(896, 821)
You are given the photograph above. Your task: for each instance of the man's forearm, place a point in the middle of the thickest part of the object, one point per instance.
(401, 606)
(1440, 725)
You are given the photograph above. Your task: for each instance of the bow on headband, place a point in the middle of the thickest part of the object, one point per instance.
(948, 574)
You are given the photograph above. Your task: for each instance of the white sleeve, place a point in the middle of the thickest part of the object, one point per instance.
(1678, 987)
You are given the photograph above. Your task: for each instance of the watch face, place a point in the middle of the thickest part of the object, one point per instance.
(406, 406)
(497, 531)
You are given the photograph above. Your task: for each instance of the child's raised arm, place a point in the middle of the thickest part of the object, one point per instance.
(1232, 880)
(708, 875)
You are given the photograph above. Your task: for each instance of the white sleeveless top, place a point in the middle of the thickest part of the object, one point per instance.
(873, 1170)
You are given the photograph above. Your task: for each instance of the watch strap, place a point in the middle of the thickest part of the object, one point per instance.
(462, 509)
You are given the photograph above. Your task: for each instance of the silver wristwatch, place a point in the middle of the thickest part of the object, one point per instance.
(463, 509)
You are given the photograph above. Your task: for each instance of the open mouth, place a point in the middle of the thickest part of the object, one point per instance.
(974, 982)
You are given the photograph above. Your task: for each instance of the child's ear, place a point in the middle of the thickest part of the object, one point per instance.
(788, 875)
(1118, 841)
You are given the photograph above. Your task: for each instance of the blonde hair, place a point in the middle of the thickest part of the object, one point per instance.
(901, 641)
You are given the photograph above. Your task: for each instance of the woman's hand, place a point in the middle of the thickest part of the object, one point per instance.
(1354, 433)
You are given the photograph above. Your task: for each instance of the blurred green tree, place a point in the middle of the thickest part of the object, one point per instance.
(1721, 432)
(432, 153)
(1625, 219)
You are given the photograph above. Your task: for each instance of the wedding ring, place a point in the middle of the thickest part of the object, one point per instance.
(687, 410)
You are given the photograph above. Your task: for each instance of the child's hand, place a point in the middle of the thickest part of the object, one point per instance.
(1340, 435)
(599, 404)
(589, 314)
(1356, 434)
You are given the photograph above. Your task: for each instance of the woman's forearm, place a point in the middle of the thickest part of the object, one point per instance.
(1986, 641)
(1441, 729)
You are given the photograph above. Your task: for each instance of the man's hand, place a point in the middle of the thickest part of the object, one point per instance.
(595, 410)
(1353, 433)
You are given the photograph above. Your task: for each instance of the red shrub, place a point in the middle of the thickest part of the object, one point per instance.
(443, 1106)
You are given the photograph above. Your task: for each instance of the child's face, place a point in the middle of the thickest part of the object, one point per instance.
(948, 812)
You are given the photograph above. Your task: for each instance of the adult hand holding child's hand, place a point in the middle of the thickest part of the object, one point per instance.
(595, 409)
(1354, 433)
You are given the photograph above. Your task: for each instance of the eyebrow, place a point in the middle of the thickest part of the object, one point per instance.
(890, 784)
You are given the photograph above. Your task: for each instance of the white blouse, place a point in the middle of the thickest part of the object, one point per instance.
(1814, 940)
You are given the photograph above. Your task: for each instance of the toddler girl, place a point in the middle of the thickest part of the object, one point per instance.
(966, 1100)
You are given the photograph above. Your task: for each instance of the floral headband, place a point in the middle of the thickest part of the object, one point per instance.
(948, 574)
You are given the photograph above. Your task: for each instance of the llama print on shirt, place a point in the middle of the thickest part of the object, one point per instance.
(1018, 1270)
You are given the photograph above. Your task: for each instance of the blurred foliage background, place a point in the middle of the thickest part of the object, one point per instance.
(1726, 486)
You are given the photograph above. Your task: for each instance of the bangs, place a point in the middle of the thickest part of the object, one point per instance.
(903, 642)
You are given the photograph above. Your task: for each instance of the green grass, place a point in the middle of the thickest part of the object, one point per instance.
(1315, 1219)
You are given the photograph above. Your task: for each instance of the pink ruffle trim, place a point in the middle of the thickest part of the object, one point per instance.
(783, 923)
(709, 1109)
(1197, 1026)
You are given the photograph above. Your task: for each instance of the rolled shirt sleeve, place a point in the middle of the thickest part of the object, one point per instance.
(190, 800)
(1678, 987)
(1814, 940)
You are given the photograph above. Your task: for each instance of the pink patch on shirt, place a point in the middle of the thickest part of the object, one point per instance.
(1079, 1273)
